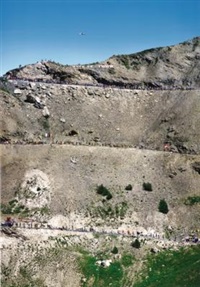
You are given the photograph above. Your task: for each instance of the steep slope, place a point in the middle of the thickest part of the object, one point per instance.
(50, 113)
(100, 167)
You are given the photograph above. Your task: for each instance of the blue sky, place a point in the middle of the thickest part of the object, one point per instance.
(39, 29)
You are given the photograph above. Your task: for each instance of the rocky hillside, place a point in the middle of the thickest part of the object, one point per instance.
(169, 67)
(50, 113)
(100, 169)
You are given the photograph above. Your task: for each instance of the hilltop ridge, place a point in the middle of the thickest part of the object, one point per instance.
(174, 66)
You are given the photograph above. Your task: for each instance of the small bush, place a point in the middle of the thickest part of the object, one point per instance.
(111, 71)
(13, 202)
(109, 196)
(163, 207)
(136, 244)
(147, 186)
(102, 190)
(6, 209)
(115, 250)
(129, 187)
(191, 200)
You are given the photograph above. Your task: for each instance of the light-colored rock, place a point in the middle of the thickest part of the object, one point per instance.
(46, 112)
(17, 91)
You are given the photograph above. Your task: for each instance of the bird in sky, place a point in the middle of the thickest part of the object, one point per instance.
(81, 34)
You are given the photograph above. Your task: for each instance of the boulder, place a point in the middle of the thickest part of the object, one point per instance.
(17, 91)
(46, 112)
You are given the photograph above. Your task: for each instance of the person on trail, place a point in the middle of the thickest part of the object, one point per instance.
(9, 222)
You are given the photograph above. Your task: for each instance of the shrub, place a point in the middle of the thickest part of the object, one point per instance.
(115, 250)
(147, 186)
(104, 191)
(6, 209)
(163, 207)
(129, 187)
(191, 200)
(136, 244)
(109, 196)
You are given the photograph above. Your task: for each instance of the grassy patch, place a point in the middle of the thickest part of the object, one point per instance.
(98, 275)
(127, 260)
(172, 268)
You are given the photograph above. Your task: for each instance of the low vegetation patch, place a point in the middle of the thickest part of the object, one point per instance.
(109, 211)
(127, 260)
(100, 276)
(172, 268)
(23, 279)
(191, 200)
(12, 207)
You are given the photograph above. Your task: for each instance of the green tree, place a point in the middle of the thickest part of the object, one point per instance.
(147, 186)
(115, 250)
(163, 207)
(129, 187)
(136, 244)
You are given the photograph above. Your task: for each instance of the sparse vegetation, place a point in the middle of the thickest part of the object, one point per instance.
(23, 279)
(111, 71)
(163, 207)
(147, 186)
(45, 123)
(192, 200)
(124, 61)
(5, 90)
(109, 211)
(13, 208)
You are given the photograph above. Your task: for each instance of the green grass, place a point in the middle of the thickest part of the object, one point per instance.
(98, 275)
(127, 260)
(172, 269)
